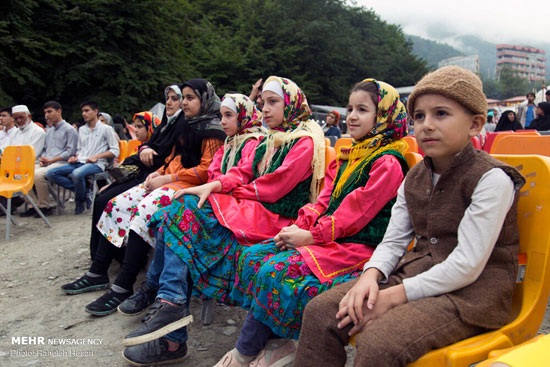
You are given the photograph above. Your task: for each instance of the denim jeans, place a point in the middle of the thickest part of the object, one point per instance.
(170, 275)
(79, 172)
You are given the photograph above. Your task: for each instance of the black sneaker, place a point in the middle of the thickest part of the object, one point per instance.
(86, 284)
(46, 211)
(154, 353)
(107, 303)
(27, 213)
(137, 303)
(161, 319)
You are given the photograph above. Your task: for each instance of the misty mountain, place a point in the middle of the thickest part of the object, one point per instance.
(444, 44)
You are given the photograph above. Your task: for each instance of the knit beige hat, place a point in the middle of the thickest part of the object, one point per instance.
(452, 82)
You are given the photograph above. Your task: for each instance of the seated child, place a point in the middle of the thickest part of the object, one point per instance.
(126, 216)
(331, 239)
(242, 123)
(202, 243)
(461, 205)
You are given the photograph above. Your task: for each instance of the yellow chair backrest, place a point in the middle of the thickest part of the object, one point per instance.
(133, 146)
(531, 294)
(503, 134)
(412, 158)
(522, 144)
(341, 142)
(17, 170)
(411, 141)
(123, 150)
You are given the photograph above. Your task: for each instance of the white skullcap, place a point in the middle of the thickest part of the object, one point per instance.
(20, 108)
(275, 87)
(229, 103)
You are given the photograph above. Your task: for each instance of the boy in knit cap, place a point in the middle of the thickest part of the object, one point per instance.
(460, 205)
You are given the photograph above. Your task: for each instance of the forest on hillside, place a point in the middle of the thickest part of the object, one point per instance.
(123, 53)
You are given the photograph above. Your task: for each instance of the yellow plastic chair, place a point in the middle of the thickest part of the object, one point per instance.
(531, 294)
(503, 134)
(412, 158)
(17, 178)
(341, 142)
(522, 144)
(133, 147)
(411, 142)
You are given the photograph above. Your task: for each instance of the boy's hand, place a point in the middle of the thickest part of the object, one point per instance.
(293, 237)
(202, 191)
(351, 305)
(387, 299)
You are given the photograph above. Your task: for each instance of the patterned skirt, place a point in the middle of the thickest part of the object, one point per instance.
(132, 210)
(276, 286)
(209, 249)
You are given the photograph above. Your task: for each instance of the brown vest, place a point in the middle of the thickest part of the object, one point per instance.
(436, 212)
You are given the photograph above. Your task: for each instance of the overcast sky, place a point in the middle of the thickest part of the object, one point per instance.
(502, 21)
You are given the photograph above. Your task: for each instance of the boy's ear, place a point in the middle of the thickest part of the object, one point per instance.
(478, 121)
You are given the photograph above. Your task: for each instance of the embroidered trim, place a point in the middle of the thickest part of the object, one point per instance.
(256, 189)
(313, 209)
(219, 210)
(196, 173)
(336, 272)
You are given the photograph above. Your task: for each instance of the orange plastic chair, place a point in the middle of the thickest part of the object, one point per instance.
(411, 142)
(500, 135)
(522, 144)
(531, 293)
(133, 146)
(123, 150)
(341, 142)
(412, 158)
(17, 178)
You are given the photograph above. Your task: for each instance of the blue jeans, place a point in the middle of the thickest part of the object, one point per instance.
(77, 182)
(170, 275)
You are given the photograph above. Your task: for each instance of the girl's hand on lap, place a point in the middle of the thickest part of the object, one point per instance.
(202, 191)
(294, 237)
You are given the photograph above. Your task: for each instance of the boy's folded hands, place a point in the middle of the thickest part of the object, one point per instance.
(353, 308)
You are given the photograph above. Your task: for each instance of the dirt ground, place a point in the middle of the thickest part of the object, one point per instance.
(37, 261)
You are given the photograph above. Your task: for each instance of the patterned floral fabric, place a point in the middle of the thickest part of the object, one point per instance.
(296, 107)
(212, 265)
(132, 210)
(276, 286)
(249, 125)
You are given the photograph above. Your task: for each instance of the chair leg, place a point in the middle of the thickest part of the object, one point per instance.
(38, 211)
(8, 220)
(6, 213)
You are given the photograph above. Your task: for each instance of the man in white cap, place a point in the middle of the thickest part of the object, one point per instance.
(27, 133)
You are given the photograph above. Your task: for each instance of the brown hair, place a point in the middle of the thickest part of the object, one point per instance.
(370, 87)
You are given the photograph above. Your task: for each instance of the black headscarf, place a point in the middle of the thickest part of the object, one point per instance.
(505, 124)
(205, 125)
(542, 123)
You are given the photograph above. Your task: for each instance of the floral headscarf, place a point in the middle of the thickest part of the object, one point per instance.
(248, 116)
(296, 124)
(149, 120)
(296, 108)
(249, 126)
(389, 128)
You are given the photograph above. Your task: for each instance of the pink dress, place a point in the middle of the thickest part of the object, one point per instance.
(238, 207)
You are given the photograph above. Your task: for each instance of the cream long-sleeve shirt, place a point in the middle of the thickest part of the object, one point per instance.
(478, 232)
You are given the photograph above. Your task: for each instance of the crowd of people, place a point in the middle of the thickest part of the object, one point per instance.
(235, 203)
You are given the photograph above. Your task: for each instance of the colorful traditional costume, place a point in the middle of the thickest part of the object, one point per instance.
(347, 221)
